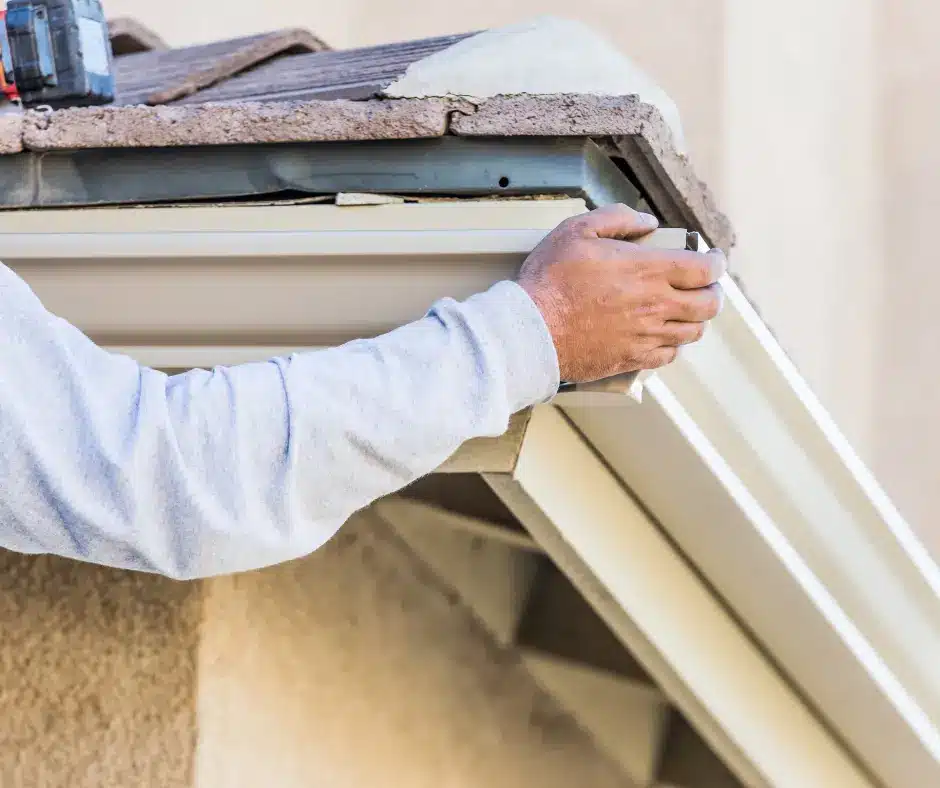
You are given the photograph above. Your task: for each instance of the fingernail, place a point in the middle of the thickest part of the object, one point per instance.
(715, 251)
(649, 219)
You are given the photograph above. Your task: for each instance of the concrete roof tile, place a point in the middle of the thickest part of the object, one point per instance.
(637, 131)
(556, 115)
(128, 36)
(164, 76)
(348, 73)
(11, 132)
(229, 124)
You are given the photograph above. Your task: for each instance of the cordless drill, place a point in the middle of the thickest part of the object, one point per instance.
(56, 53)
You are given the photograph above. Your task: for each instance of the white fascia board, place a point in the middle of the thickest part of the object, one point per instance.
(741, 465)
(231, 283)
(668, 616)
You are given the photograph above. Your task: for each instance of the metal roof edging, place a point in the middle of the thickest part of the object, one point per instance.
(446, 166)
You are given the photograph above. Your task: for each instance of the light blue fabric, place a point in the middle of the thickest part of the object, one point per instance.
(220, 471)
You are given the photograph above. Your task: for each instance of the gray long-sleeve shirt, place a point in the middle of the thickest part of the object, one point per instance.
(220, 471)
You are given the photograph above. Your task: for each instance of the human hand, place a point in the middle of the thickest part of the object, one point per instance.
(613, 306)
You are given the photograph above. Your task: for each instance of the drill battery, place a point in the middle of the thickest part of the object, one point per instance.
(7, 87)
(56, 53)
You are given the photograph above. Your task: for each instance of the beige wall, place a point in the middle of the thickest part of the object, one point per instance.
(803, 187)
(353, 668)
(908, 445)
(97, 676)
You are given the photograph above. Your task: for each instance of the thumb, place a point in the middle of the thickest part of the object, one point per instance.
(619, 221)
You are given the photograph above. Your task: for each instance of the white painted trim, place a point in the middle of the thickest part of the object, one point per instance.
(460, 214)
(228, 280)
(238, 244)
(736, 458)
(672, 622)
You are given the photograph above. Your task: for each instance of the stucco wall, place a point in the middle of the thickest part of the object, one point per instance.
(338, 670)
(804, 187)
(354, 668)
(908, 450)
(97, 676)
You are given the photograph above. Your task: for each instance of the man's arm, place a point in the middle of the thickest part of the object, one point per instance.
(223, 471)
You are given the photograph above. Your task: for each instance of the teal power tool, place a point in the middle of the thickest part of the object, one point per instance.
(57, 53)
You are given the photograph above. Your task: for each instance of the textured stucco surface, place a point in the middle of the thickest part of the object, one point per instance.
(97, 676)
(338, 670)
(353, 668)
(907, 448)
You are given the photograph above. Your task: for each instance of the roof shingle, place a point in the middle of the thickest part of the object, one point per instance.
(129, 36)
(165, 76)
(348, 74)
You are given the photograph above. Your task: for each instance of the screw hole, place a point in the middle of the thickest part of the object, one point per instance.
(503, 182)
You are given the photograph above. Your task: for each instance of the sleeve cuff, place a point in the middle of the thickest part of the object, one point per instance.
(532, 374)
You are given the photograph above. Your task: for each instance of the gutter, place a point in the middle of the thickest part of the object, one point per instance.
(745, 470)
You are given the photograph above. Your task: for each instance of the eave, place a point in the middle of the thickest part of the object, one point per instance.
(103, 156)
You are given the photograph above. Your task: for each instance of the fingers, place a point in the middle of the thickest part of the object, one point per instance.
(660, 357)
(695, 306)
(683, 270)
(616, 221)
(675, 333)
(691, 270)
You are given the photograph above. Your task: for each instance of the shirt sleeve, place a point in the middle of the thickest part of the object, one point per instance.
(213, 472)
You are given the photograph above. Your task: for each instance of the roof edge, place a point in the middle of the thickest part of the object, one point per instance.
(196, 125)
(632, 129)
(637, 131)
